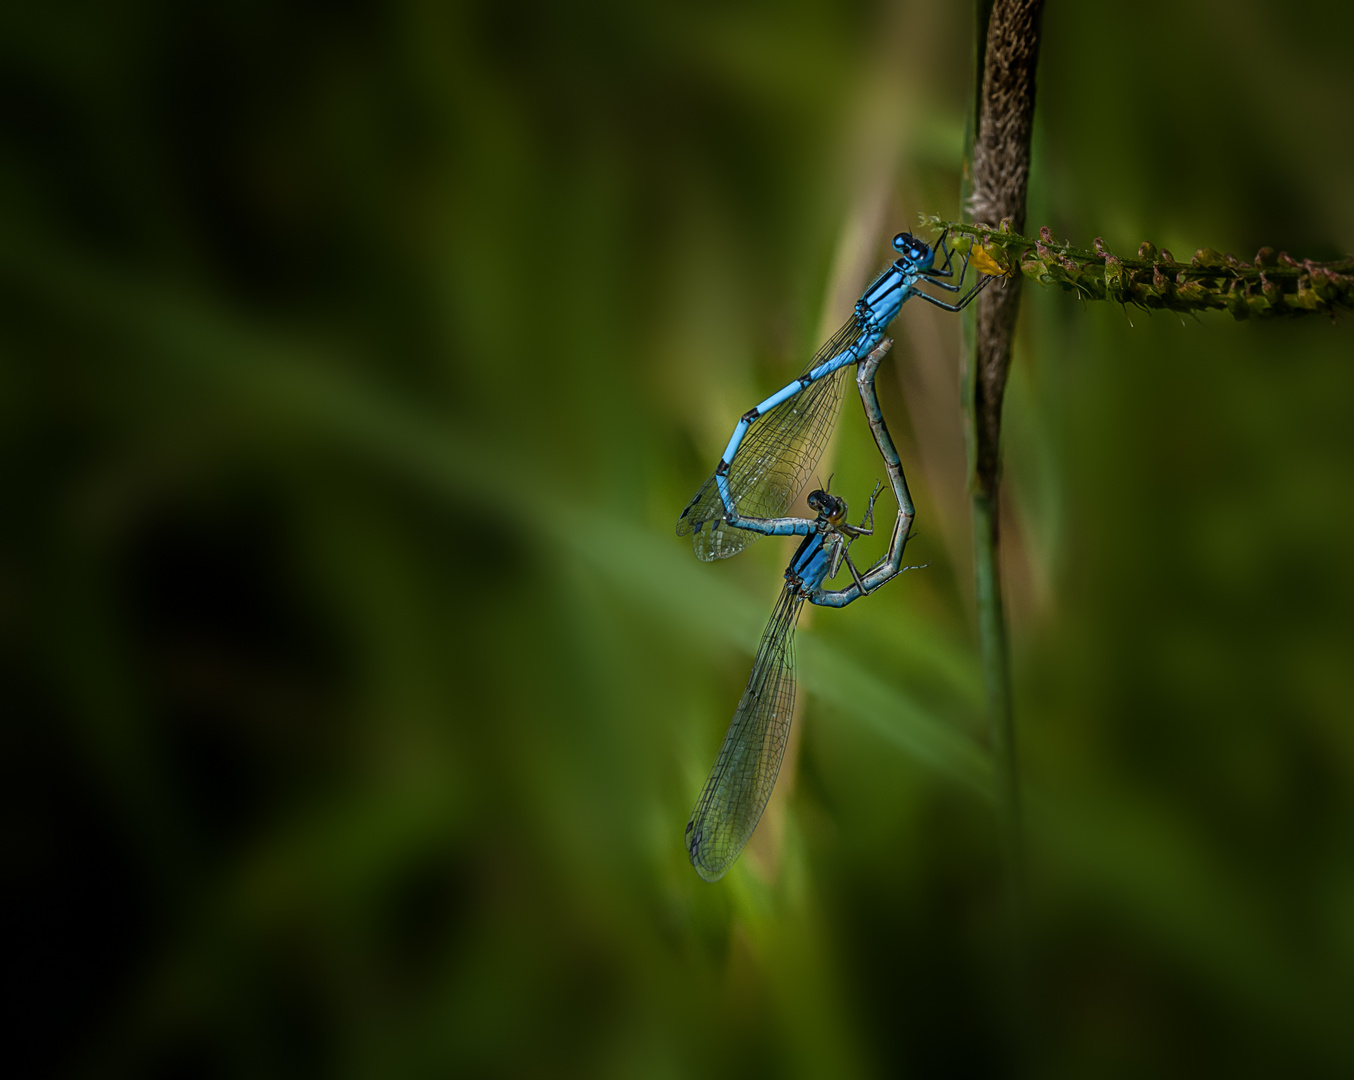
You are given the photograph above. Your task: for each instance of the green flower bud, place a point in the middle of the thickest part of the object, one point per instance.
(1305, 298)
(1117, 284)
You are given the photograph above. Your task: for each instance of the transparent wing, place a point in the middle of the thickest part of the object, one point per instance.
(774, 462)
(732, 801)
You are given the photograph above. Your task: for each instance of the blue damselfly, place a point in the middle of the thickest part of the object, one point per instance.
(777, 443)
(732, 801)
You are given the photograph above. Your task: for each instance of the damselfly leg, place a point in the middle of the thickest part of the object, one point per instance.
(963, 301)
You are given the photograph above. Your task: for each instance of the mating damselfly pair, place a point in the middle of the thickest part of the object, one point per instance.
(774, 448)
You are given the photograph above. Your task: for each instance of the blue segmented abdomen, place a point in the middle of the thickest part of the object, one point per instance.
(775, 459)
(783, 442)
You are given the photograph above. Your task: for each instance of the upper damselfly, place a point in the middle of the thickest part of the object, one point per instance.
(777, 444)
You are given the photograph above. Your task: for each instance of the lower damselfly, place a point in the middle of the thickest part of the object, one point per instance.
(736, 794)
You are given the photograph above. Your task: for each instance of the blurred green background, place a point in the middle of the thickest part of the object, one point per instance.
(357, 360)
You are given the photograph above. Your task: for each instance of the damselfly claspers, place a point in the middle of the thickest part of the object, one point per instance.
(777, 444)
(732, 801)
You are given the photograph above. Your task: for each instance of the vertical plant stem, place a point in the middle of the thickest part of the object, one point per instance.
(997, 684)
(997, 175)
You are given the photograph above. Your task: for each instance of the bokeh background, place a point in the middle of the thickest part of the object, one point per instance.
(357, 360)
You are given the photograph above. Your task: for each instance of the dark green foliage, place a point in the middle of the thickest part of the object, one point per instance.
(355, 362)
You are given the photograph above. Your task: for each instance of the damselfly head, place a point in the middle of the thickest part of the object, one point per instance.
(827, 506)
(915, 251)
